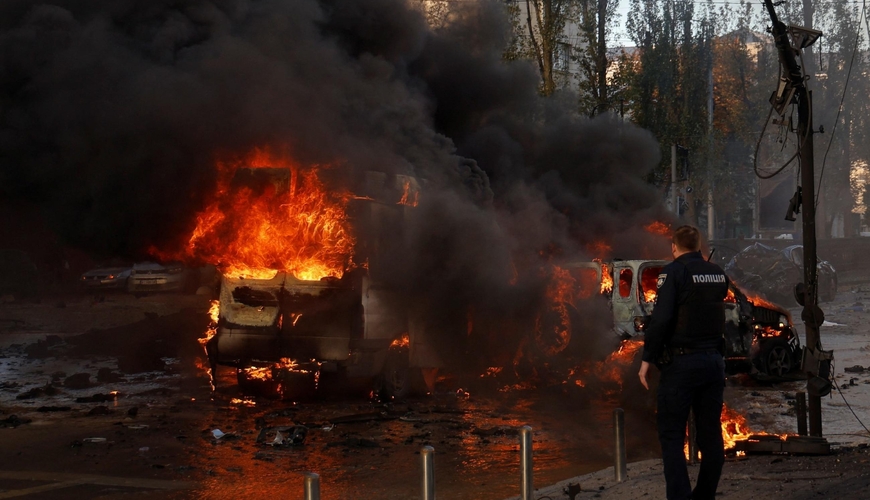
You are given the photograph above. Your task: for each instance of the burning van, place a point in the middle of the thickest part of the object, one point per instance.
(324, 325)
(759, 335)
(299, 291)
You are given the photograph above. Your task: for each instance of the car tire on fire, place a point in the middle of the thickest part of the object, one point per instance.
(776, 359)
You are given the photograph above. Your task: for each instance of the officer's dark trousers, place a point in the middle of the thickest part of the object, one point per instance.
(694, 381)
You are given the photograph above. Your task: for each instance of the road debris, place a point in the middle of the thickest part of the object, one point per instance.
(14, 421)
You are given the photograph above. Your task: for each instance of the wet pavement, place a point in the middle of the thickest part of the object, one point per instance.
(150, 433)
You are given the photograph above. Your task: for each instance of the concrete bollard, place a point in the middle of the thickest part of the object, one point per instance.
(619, 465)
(427, 479)
(312, 486)
(526, 486)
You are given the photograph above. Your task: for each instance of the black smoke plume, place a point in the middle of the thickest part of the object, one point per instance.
(112, 114)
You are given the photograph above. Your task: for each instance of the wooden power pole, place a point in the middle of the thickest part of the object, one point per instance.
(811, 315)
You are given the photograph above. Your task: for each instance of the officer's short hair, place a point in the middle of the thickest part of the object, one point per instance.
(687, 238)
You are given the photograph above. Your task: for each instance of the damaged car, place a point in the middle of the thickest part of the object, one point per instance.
(281, 330)
(774, 273)
(759, 335)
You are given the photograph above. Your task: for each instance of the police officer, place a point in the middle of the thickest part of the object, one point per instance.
(684, 339)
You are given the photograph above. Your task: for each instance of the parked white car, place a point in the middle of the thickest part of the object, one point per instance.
(106, 277)
(153, 277)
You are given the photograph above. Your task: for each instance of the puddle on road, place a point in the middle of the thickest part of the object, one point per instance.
(475, 438)
(476, 446)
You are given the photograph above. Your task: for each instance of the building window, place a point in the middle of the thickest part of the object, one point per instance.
(561, 57)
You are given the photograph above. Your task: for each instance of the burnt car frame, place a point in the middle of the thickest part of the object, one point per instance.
(759, 337)
(774, 272)
(353, 324)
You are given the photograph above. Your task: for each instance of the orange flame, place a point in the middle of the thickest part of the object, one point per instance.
(649, 283)
(587, 282)
(659, 228)
(560, 293)
(599, 249)
(606, 279)
(258, 373)
(210, 331)
(292, 224)
(734, 429)
(403, 341)
(760, 302)
(612, 368)
(409, 198)
(266, 373)
(213, 314)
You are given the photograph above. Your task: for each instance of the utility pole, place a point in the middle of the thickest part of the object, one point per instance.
(811, 314)
(711, 220)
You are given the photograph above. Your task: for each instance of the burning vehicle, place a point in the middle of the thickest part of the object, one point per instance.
(266, 325)
(299, 291)
(759, 335)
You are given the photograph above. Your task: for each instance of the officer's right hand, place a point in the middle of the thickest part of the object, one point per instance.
(644, 368)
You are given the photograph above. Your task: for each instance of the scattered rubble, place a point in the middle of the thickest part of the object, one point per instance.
(48, 409)
(99, 410)
(14, 421)
(106, 375)
(78, 381)
(96, 398)
(293, 435)
(38, 392)
(45, 348)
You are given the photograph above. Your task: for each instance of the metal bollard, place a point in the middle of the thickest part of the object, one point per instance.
(427, 480)
(693, 439)
(619, 466)
(800, 409)
(312, 486)
(527, 488)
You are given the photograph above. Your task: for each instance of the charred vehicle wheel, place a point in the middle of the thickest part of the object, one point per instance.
(776, 358)
(396, 375)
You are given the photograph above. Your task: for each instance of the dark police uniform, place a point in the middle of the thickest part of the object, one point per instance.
(688, 322)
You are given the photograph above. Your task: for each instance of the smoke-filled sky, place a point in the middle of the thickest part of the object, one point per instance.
(113, 112)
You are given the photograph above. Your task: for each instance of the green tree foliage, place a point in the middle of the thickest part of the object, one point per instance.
(669, 76)
(543, 38)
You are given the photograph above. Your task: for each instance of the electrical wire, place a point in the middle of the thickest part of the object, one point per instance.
(842, 99)
(850, 406)
(788, 162)
(803, 141)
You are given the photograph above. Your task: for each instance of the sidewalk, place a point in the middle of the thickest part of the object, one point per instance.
(845, 474)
